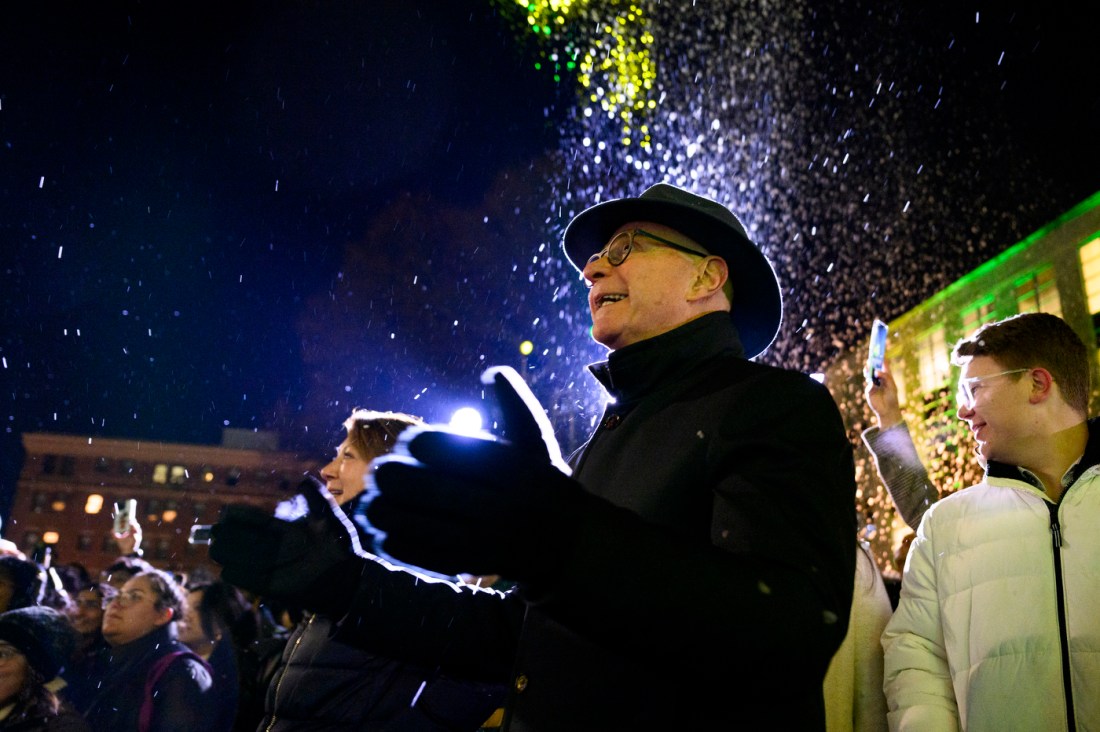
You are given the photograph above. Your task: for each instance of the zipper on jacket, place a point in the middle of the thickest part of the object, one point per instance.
(1063, 631)
(279, 683)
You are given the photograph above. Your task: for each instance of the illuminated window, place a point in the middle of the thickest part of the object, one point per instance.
(1037, 293)
(935, 366)
(94, 503)
(160, 473)
(1090, 269)
(178, 475)
(979, 313)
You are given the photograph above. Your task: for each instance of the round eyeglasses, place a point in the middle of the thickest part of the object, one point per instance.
(622, 244)
(964, 397)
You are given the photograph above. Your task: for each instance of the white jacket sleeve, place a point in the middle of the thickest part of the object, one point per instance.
(919, 692)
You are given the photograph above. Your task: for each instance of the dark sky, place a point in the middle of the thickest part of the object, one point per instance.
(259, 215)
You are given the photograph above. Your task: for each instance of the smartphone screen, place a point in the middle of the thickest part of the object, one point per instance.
(200, 534)
(123, 513)
(876, 356)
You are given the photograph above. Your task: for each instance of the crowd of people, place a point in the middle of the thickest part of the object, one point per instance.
(128, 647)
(695, 564)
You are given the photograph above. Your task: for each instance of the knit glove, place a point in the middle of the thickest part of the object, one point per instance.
(454, 503)
(309, 561)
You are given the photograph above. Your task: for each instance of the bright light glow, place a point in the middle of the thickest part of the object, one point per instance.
(94, 504)
(819, 378)
(169, 516)
(50, 537)
(466, 420)
(526, 348)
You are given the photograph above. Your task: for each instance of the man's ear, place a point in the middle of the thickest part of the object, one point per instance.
(710, 278)
(1042, 385)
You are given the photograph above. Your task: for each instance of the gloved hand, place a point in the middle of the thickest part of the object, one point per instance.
(454, 503)
(308, 561)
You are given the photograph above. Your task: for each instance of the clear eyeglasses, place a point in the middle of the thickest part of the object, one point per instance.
(964, 397)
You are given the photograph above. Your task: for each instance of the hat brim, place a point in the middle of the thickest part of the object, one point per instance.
(757, 308)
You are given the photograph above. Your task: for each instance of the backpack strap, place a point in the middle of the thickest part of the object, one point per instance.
(145, 716)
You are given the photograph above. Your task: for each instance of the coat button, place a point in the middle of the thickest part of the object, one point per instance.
(612, 421)
(521, 683)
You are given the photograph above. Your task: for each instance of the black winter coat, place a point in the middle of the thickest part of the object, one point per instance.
(710, 586)
(715, 594)
(182, 699)
(324, 684)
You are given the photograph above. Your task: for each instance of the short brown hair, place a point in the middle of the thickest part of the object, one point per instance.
(375, 433)
(167, 593)
(1028, 340)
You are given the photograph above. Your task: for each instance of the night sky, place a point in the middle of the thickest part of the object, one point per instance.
(260, 215)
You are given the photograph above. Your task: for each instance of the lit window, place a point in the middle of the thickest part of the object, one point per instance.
(1038, 293)
(978, 314)
(94, 503)
(179, 475)
(933, 358)
(160, 473)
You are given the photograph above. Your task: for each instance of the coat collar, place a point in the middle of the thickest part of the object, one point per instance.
(1090, 458)
(633, 371)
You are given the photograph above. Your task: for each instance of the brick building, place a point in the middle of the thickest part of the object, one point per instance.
(69, 484)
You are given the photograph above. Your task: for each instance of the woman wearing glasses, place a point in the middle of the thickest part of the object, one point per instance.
(150, 680)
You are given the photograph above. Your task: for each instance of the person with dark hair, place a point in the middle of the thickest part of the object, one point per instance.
(35, 643)
(997, 625)
(323, 682)
(118, 572)
(21, 583)
(150, 681)
(86, 617)
(219, 622)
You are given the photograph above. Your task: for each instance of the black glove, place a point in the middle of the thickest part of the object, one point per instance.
(454, 503)
(308, 561)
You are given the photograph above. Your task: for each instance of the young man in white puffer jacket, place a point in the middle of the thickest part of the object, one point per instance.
(998, 626)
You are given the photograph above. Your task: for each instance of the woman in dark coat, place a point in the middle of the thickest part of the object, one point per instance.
(34, 643)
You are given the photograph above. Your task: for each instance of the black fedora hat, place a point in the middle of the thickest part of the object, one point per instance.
(757, 303)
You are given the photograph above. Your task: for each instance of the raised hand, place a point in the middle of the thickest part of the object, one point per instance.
(454, 503)
(293, 560)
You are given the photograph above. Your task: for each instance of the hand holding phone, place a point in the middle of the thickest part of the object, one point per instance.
(876, 356)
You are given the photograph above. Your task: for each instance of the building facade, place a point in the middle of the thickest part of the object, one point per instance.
(66, 492)
(1055, 270)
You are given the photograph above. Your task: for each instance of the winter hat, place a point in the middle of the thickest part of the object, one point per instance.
(41, 634)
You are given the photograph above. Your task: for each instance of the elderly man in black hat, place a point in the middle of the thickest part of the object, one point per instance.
(690, 567)
(695, 570)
